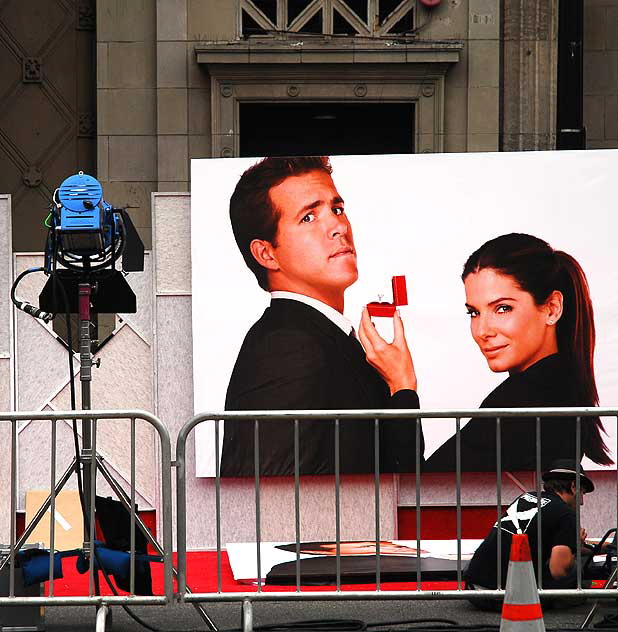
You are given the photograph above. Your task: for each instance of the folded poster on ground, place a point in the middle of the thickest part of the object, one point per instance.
(398, 561)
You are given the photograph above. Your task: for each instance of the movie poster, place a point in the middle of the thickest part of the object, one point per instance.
(418, 216)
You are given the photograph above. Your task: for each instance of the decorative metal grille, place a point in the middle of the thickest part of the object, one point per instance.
(367, 18)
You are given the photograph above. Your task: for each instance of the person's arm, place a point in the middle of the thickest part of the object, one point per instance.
(561, 561)
(393, 360)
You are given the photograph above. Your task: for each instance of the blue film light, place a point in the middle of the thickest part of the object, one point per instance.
(85, 221)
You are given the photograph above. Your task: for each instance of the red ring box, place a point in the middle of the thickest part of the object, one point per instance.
(400, 297)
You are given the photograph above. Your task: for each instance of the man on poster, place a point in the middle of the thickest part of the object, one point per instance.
(291, 228)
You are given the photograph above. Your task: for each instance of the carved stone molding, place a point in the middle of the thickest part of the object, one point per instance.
(345, 72)
(325, 51)
(427, 90)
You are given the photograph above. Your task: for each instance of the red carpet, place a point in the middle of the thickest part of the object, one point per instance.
(202, 577)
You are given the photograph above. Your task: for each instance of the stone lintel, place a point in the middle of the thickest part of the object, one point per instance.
(384, 51)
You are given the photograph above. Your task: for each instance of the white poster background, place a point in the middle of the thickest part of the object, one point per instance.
(421, 216)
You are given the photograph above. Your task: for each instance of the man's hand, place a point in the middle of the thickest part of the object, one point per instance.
(393, 361)
(583, 535)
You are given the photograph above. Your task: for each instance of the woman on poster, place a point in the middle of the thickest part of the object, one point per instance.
(531, 315)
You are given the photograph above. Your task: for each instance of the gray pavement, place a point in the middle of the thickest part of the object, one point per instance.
(183, 617)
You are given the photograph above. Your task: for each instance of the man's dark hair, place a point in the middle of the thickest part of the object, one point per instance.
(251, 211)
(558, 485)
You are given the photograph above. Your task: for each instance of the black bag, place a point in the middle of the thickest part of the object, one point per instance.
(115, 523)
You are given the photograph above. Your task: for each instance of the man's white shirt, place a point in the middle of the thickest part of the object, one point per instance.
(332, 314)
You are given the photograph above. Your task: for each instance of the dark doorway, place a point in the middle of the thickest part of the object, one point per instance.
(273, 129)
(571, 133)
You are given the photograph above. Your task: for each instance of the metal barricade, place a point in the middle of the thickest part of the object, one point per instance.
(96, 465)
(402, 416)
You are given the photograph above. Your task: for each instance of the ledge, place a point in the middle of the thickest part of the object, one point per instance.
(320, 51)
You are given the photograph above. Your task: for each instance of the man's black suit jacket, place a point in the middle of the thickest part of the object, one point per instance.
(295, 358)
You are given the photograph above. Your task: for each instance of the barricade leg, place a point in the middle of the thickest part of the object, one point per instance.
(246, 623)
(102, 612)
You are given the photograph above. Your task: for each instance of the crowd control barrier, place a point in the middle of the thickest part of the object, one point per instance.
(490, 416)
(92, 465)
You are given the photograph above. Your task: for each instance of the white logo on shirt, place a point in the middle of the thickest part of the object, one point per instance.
(520, 514)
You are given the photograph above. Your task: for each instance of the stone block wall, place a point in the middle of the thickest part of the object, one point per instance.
(154, 100)
(601, 73)
(127, 106)
(529, 67)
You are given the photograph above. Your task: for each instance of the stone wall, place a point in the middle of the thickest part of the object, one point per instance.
(529, 65)
(601, 73)
(154, 101)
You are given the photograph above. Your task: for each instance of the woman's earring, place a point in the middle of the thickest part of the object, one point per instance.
(550, 322)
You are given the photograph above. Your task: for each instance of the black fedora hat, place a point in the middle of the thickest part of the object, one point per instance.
(566, 469)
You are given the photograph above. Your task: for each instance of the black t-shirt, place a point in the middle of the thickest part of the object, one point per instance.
(558, 527)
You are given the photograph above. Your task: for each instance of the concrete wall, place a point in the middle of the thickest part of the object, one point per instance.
(601, 73)
(127, 106)
(155, 114)
(529, 72)
(154, 101)
(6, 364)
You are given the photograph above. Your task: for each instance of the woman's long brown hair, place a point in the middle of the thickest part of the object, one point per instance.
(539, 270)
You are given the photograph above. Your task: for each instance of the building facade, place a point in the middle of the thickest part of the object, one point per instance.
(131, 90)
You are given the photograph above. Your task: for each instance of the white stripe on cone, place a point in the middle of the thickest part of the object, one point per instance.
(522, 593)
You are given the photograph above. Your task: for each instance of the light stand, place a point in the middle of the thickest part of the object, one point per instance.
(85, 377)
(88, 237)
(88, 464)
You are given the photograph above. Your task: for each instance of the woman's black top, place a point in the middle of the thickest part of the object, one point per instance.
(547, 383)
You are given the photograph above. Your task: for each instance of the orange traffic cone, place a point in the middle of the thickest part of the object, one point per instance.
(521, 610)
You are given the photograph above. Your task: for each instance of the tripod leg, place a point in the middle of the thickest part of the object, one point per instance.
(126, 502)
(41, 512)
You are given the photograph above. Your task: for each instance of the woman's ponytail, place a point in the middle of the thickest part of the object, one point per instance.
(576, 339)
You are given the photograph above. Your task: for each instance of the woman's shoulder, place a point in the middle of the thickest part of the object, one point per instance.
(548, 382)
